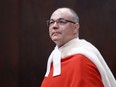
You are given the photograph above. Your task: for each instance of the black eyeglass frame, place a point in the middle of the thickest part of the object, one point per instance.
(65, 21)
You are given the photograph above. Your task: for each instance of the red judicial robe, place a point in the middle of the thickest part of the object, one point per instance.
(76, 71)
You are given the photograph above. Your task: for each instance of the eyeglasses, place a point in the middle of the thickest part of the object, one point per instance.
(60, 21)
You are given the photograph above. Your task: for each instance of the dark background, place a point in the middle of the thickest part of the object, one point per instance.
(25, 44)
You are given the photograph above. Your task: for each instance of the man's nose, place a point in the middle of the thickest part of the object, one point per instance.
(55, 25)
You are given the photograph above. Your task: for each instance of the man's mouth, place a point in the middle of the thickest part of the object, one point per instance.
(55, 33)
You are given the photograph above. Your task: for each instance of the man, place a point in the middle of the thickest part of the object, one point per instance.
(74, 62)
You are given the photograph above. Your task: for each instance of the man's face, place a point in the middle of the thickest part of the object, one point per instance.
(59, 31)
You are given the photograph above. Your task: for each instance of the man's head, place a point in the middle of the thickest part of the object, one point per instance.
(63, 26)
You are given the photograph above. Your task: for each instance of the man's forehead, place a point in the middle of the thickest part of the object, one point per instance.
(61, 13)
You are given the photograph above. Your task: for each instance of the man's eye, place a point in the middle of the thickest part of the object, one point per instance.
(62, 21)
(51, 22)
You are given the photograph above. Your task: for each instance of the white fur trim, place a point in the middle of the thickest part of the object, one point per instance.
(77, 46)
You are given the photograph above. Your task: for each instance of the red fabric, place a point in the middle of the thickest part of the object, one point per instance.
(76, 71)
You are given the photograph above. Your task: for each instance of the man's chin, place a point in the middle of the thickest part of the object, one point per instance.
(56, 40)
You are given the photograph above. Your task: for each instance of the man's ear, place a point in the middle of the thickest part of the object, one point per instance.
(77, 26)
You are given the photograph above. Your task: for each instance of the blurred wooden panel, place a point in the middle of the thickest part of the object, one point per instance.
(25, 43)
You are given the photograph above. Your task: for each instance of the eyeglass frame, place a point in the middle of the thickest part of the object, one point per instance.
(58, 21)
